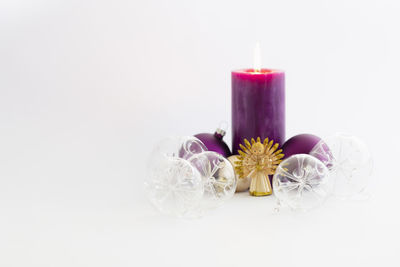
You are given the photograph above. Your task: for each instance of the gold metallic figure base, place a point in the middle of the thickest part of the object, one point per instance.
(260, 194)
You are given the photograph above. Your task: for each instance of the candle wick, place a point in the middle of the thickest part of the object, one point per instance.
(257, 58)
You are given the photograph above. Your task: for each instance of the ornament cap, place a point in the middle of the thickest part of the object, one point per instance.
(219, 133)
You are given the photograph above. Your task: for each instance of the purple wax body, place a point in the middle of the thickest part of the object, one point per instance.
(258, 106)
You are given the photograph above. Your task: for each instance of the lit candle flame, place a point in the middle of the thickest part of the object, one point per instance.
(257, 58)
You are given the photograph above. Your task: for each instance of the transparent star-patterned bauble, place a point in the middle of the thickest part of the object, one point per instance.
(172, 184)
(176, 146)
(301, 182)
(349, 162)
(218, 178)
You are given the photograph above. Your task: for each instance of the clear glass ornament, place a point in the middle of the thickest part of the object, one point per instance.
(302, 182)
(218, 177)
(349, 162)
(172, 184)
(177, 146)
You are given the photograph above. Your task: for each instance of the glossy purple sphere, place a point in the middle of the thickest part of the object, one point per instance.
(214, 142)
(300, 144)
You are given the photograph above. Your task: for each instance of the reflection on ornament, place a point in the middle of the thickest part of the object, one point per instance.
(243, 183)
(258, 160)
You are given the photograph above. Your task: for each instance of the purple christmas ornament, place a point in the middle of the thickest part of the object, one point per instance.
(300, 144)
(308, 144)
(214, 142)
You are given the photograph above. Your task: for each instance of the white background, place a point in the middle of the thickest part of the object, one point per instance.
(88, 87)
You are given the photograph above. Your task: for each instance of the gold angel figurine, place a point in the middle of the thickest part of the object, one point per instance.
(258, 160)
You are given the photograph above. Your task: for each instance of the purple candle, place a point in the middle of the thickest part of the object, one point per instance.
(258, 106)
